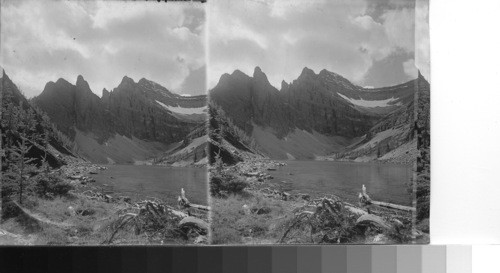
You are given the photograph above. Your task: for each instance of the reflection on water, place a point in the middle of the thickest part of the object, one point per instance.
(384, 182)
(156, 181)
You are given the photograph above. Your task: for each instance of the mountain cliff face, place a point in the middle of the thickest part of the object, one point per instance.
(73, 107)
(317, 114)
(131, 123)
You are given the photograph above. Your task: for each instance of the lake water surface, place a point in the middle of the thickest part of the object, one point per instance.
(156, 181)
(384, 182)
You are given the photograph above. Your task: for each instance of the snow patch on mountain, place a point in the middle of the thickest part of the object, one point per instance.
(184, 110)
(372, 103)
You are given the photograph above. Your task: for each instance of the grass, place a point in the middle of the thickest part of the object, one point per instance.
(261, 221)
(253, 218)
(75, 228)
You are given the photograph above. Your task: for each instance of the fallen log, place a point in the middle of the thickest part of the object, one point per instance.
(365, 199)
(393, 206)
(201, 207)
(193, 222)
(355, 210)
(184, 202)
(370, 219)
(177, 213)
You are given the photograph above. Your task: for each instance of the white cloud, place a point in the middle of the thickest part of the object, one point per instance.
(103, 41)
(422, 51)
(284, 36)
(410, 68)
(109, 12)
(400, 28)
(365, 21)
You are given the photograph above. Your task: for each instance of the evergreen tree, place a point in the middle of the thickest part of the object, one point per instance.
(20, 130)
(18, 170)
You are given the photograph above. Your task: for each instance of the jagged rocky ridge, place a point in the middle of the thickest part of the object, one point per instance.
(133, 122)
(320, 116)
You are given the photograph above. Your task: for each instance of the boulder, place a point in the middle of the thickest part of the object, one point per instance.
(285, 196)
(71, 211)
(108, 198)
(263, 210)
(125, 199)
(246, 209)
(75, 177)
(306, 197)
(85, 212)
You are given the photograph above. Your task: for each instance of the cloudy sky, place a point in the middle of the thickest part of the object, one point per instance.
(370, 42)
(42, 41)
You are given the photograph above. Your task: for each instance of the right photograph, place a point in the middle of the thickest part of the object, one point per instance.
(319, 122)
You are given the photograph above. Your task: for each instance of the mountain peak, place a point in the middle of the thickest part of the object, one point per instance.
(239, 73)
(284, 85)
(257, 70)
(259, 75)
(325, 72)
(62, 81)
(127, 80)
(82, 84)
(148, 83)
(80, 81)
(143, 81)
(79, 78)
(105, 95)
(307, 72)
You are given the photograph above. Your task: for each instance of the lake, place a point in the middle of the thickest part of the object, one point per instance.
(140, 181)
(384, 182)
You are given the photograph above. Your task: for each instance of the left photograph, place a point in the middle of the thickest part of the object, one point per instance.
(103, 123)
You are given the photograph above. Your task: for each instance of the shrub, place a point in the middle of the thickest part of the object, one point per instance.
(51, 184)
(225, 184)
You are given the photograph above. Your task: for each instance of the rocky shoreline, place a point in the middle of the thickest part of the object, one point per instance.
(89, 215)
(371, 222)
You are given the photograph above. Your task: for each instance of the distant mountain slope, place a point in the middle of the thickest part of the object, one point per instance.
(191, 150)
(392, 138)
(317, 114)
(45, 140)
(131, 123)
(227, 141)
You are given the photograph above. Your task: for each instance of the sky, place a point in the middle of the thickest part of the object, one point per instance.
(370, 42)
(43, 41)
